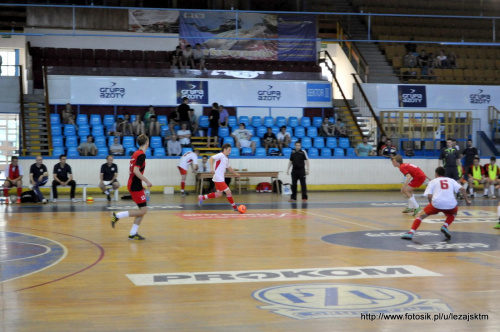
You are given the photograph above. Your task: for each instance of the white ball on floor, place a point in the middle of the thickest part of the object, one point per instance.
(13, 198)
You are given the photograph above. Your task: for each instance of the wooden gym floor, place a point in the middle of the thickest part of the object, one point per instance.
(336, 263)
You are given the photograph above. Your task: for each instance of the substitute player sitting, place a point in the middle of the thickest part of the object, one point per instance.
(415, 177)
(218, 165)
(189, 158)
(492, 172)
(441, 194)
(476, 177)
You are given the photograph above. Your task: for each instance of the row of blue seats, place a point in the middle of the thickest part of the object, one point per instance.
(306, 142)
(312, 152)
(256, 121)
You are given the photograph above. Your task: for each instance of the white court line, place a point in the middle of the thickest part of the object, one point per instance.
(341, 220)
(487, 255)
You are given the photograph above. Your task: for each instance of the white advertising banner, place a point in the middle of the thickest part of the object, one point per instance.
(169, 91)
(449, 97)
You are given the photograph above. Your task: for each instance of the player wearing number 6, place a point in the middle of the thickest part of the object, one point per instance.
(441, 194)
(415, 177)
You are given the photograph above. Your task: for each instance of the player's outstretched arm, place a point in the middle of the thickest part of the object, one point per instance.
(232, 171)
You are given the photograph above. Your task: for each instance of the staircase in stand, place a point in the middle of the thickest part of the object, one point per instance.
(36, 138)
(345, 116)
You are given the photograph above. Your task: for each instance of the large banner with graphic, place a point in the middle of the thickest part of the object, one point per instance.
(90, 90)
(153, 21)
(247, 35)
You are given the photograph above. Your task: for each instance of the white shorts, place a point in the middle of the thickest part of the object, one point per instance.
(245, 143)
(108, 183)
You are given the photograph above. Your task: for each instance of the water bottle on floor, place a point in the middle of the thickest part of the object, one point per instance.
(148, 194)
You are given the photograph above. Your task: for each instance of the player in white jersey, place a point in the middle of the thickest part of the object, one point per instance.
(189, 158)
(218, 165)
(441, 194)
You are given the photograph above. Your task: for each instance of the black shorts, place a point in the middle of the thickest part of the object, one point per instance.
(451, 172)
(212, 132)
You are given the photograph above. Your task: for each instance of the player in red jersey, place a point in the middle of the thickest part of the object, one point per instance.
(218, 165)
(415, 177)
(13, 178)
(441, 194)
(137, 166)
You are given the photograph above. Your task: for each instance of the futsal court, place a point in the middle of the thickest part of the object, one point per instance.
(323, 265)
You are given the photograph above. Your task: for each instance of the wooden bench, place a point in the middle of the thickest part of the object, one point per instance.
(80, 185)
(200, 177)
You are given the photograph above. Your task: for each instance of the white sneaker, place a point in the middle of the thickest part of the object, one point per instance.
(54, 200)
(73, 200)
(493, 197)
(44, 201)
(30, 186)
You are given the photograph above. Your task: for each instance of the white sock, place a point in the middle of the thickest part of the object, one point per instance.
(485, 191)
(134, 229)
(471, 191)
(122, 214)
(492, 190)
(107, 192)
(413, 202)
(466, 185)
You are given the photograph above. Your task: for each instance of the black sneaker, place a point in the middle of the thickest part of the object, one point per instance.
(108, 197)
(185, 193)
(136, 237)
(114, 219)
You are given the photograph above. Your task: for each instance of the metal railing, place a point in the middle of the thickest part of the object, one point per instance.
(365, 106)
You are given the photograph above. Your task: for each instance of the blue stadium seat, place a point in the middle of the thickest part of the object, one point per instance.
(98, 130)
(58, 150)
(244, 119)
(100, 141)
(163, 130)
(272, 150)
(313, 153)
(132, 117)
(235, 152)
(69, 130)
(81, 119)
(102, 151)
(286, 152)
(289, 130)
(128, 142)
(72, 152)
(312, 131)
(95, 119)
(251, 130)
(326, 152)
(203, 121)
(350, 152)
(299, 131)
(280, 121)
(260, 152)
(184, 150)
(129, 151)
(256, 140)
(331, 119)
(305, 121)
(111, 140)
(306, 142)
(246, 151)
(162, 120)
(319, 142)
(229, 140)
(155, 142)
(261, 131)
(343, 142)
(108, 121)
(317, 120)
(231, 121)
(56, 129)
(55, 118)
(276, 130)
(224, 132)
(339, 152)
(148, 152)
(331, 142)
(256, 121)
(268, 121)
(293, 121)
(57, 141)
(293, 139)
(71, 141)
(159, 152)
(84, 131)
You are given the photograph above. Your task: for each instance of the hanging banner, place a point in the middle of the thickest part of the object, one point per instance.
(296, 27)
(153, 21)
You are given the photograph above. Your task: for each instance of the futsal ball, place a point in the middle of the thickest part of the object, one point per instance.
(13, 198)
(90, 199)
(242, 208)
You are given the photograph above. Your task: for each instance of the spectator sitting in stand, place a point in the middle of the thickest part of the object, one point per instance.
(199, 57)
(242, 138)
(174, 147)
(154, 126)
(452, 60)
(116, 149)
(88, 148)
(340, 128)
(115, 129)
(188, 57)
(184, 136)
(410, 60)
(68, 116)
(381, 144)
(283, 138)
(138, 126)
(177, 57)
(327, 128)
(442, 60)
(125, 127)
(389, 150)
(151, 111)
(364, 149)
(167, 137)
(270, 140)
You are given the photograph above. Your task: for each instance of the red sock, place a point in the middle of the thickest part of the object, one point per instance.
(5, 192)
(416, 223)
(449, 220)
(183, 184)
(19, 191)
(231, 201)
(211, 195)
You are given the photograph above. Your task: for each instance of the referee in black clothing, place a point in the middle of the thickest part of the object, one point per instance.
(450, 157)
(299, 160)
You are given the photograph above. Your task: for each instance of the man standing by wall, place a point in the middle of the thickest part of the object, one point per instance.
(300, 162)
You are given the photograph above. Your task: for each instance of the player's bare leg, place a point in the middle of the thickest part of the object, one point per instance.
(137, 214)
